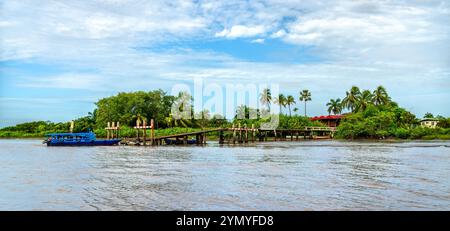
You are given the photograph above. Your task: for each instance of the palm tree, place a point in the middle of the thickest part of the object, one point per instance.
(364, 100)
(290, 100)
(281, 101)
(334, 106)
(295, 109)
(203, 116)
(428, 115)
(305, 95)
(178, 122)
(266, 97)
(380, 96)
(242, 112)
(351, 98)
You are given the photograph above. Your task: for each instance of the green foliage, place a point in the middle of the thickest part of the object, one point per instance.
(375, 116)
(125, 107)
(428, 115)
(444, 123)
(402, 133)
(34, 129)
(386, 121)
(285, 122)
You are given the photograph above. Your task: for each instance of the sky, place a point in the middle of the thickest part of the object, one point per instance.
(59, 57)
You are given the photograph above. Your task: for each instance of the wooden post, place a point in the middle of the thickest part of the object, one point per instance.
(253, 133)
(138, 123)
(113, 124)
(152, 131)
(71, 126)
(107, 130)
(275, 132)
(234, 134)
(240, 133)
(145, 131)
(246, 134)
(221, 137)
(118, 129)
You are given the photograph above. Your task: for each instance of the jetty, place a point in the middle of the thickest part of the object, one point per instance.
(237, 134)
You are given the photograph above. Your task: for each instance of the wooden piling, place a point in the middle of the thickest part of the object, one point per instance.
(234, 134)
(144, 123)
(253, 133)
(108, 125)
(152, 132)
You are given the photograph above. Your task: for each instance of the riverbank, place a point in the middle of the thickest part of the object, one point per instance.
(216, 137)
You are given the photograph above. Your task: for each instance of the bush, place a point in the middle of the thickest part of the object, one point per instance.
(402, 133)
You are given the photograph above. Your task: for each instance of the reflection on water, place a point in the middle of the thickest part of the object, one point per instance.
(308, 175)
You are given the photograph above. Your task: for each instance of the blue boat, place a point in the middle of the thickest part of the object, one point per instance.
(77, 139)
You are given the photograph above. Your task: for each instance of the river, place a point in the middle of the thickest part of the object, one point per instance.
(302, 175)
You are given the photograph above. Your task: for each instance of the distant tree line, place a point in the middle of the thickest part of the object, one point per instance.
(370, 114)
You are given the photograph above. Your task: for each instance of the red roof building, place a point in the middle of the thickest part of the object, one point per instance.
(329, 120)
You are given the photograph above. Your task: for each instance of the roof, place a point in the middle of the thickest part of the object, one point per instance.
(429, 119)
(328, 117)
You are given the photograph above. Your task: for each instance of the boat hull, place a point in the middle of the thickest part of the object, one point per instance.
(84, 143)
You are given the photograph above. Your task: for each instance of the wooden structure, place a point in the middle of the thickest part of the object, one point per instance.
(237, 134)
(112, 130)
(144, 128)
(329, 120)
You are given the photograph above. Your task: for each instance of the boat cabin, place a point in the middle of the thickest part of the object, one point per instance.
(71, 137)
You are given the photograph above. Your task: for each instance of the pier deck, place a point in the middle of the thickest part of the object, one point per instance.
(238, 135)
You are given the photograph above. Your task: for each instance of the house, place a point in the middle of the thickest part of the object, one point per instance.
(329, 120)
(429, 122)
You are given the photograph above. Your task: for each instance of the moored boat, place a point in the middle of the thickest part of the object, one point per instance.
(77, 139)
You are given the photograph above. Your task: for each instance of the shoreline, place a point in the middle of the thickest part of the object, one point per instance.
(393, 140)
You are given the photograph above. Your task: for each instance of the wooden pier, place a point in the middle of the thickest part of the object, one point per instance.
(237, 134)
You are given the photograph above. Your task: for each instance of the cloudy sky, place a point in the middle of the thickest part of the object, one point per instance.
(59, 57)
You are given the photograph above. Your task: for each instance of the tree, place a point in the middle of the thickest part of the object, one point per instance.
(290, 100)
(203, 116)
(363, 100)
(281, 101)
(266, 97)
(334, 106)
(295, 109)
(305, 95)
(444, 123)
(428, 115)
(380, 96)
(242, 112)
(351, 98)
(123, 107)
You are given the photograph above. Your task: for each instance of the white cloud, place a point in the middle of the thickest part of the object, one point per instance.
(260, 41)
(241, 31)
(65, 81)
(367, 43)
(278, 34)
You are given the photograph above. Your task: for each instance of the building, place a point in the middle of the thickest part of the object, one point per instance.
(329, 120)
(429, 122)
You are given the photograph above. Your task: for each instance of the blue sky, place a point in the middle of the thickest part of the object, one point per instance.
(59, 57)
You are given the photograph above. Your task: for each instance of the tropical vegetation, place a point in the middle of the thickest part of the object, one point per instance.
(367, 114)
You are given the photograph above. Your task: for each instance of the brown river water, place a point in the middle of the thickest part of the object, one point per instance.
(305, 175)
